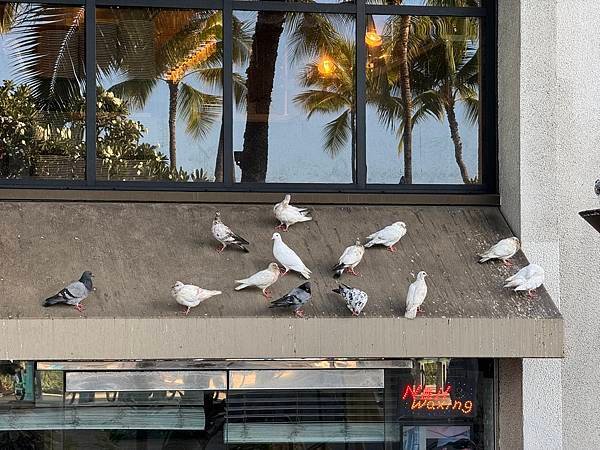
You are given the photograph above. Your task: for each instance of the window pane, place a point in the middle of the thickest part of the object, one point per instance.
(42, 102)
(160, 94)
(424, 70)
(294, 116)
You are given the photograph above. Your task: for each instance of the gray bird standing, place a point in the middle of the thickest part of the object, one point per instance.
(295, 299)
(355, 298)
(74, 293)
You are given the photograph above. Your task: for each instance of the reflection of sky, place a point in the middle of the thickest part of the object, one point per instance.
(296, 152)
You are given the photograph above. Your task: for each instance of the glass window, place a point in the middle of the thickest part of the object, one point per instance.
(296, 119)
(423, 100)
(159, 103)
(422, 404)
(291, 102)
(42, 103)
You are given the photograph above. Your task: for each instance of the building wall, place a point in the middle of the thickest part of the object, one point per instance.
(549, 136)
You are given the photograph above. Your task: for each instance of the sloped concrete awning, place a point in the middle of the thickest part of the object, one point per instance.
(137, 251)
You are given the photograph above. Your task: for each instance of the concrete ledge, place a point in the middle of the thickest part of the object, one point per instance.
(254, 337)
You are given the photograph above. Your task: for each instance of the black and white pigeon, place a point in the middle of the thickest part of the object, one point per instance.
(295, 299)
(225, 236)
(597, 187)
(355, 298)
(74, 293)
(351, 257)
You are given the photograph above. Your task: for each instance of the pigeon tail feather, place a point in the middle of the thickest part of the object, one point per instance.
(338, 273)
(484, 258)
(243, 248)
(512, 283)
(411, 313)
(369, 244)
(54, 300)
(241, 286)
(306, 273)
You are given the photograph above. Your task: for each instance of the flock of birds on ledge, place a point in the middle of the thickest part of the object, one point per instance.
(527, 279)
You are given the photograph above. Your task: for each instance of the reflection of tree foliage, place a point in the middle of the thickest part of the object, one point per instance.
(51, 381)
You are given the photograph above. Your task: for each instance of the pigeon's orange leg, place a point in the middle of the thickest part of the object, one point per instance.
(391, 248)
(507, 263)
(531, 294)
(79, 307)
(220, 250)
(353, 272)
(299, 313)
(283, 271)
(420, 310)
(267, 293)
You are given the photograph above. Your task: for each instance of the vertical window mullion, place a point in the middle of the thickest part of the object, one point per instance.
(227, 149)
(360, 157)
(90, 91)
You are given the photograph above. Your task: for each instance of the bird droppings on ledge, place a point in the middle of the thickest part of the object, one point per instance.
(136, 262)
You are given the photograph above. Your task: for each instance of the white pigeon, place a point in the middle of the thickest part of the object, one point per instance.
(387, 236)
(261, 280)
(288, 214)
(356, 300)
(288, 257)
(502, 250)
(417, 291)
(351, 257)
(189, 295)
(225, 236)
(529, 278)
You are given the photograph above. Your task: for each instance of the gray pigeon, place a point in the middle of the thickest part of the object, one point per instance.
(74, 293)
(295, 299)
(597, 187)
(355, 298)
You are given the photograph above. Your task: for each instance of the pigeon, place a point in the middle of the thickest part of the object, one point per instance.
(355, 298)
(225, 236)
(351, 257)
(261, 280)
(597, 187)
(388, 236)
(288, 214)
(417, 291)
(74, 293)
(288, 257)
(503, 250)
(529, 278)
(189, 295)
(295, 299)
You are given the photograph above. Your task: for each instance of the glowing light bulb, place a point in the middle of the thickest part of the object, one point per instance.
(326, 66)
(372, 39)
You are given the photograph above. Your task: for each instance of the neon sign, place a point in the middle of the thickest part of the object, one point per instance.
(432, 399)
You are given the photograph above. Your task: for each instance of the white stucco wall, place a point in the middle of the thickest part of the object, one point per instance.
(547, 170)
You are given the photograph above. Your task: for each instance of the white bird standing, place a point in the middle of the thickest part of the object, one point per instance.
(261, 280)
(502, 250)
(529, 278)
(417, 291)
(225, 236)
(351, 257)
(288, 257)
(190, 296)
(288, 214)
(387, 236)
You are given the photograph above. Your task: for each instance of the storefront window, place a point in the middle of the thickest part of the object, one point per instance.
(42, 95)
(424, 403)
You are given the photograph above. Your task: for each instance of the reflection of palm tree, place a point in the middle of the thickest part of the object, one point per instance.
(332, 91)
(310, 34)
(192, 44)
(448, 73)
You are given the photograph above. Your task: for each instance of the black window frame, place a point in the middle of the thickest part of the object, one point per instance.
(359, 9)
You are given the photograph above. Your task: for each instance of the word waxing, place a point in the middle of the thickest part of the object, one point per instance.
(427, 398)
